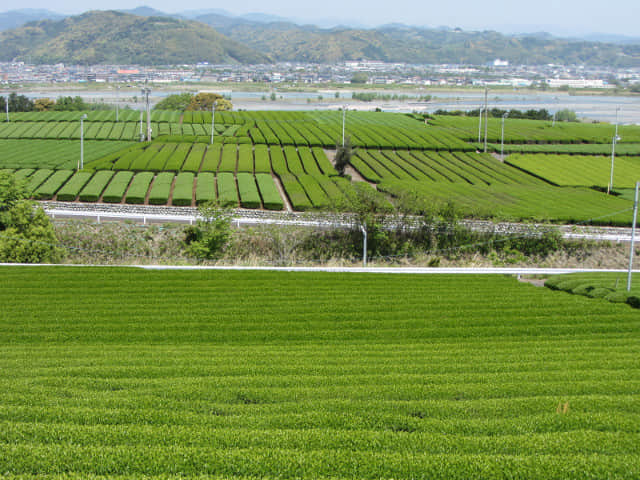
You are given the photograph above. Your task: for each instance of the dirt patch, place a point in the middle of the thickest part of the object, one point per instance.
(536, 282)
(283, 195)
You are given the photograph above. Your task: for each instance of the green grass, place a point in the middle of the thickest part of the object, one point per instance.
(311, 375)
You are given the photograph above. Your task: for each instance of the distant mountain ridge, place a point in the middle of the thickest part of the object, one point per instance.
(111, 37)
(144, 35)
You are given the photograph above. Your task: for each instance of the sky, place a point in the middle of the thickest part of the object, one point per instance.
(560, 17)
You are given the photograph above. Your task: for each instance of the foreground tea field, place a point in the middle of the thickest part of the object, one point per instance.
(131, 373)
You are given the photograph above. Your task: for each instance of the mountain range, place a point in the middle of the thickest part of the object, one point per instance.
(147, 36)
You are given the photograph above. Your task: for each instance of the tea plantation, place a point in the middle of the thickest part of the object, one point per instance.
(127, 373)
(277, 159)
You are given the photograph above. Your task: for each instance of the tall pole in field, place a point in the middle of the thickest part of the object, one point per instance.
(617, 110)
(480, 126)
(486, 117)
(633, 237)
(141, 134)
(145, 93)
(502, 143)
(117, 100)
(613, 156)
(81, 161)
(344, 119)
(213, 120)
(6, 105)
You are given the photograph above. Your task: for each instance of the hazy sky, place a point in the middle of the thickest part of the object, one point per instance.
(560, 16)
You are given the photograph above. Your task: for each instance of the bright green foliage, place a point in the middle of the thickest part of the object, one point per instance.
(38, 178)
(248, 190)
(72, 188)
(139, 187)
(141, 161)
(211, 158)
(161, 188)
(294, 163)
(183, 189)
(577, 170)
(314, 191)
(243, 375)
(205, 188)
(207, 239)
(227, 191)
(53, 154)
(270, 195)
(229, 159)
(278, 162)
(26, 233)
(245, 158)
(192, 164)
(611, 287)
(93, 190)
(48, 189)
(178, 157)
(114, 193)
(295, 192)
(518, 202)
(262, 159)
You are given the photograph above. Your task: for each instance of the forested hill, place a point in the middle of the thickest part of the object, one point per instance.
(109, 37)
(154, 38)
(284, 41)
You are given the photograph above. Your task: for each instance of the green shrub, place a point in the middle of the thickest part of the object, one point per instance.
(183, 189)
(161, 188)
(617, 297)
(92, 190)
(137, 192)
(634, 301)
(116, 189)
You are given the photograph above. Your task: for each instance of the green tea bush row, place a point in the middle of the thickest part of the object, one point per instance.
(114, 192)
(94, 188)
(183, 189)
(139, 187)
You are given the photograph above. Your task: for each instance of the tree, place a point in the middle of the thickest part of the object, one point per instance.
(179, 101)
(19, 103)
(26, 233)
(73, 104)
(44, 105)
(566, 115)
(207, 239)
(205, 101)
(360, 78)
(343, 156)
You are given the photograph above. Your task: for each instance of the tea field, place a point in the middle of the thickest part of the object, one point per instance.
(273, 160)
(127, 373)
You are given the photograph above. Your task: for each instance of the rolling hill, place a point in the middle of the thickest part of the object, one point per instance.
(109, 37)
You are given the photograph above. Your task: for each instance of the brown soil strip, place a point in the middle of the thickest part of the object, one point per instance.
(193, 191)
(146, 198)
(283, 195)
(173, 184)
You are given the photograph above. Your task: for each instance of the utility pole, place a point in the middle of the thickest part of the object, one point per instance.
(480, 126)
(486, 117)
(145, 93)
(213, 120)
(81, 162)
(344, 119)
(633, 237)
(615, 140)
(117, 100)
(6, 104)
(141, 134)
(502, 144)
